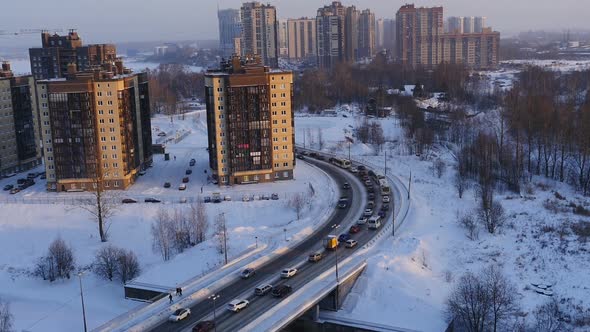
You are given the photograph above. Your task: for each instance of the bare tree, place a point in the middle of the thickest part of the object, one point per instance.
(549, 317)
(128, 266)
(104, 203)
(492, 216)
(469, 303)
(439, 167)
(162, 232)
(467, 221)
(6, 318)
(106, 262)
(321, 140)
(297, 203)
(198, 221)
(181, 224)
(460, 183)
(502, 296)
(221, 234)
(58, 263)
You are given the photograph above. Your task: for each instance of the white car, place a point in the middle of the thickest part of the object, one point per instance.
(362, 221)
(237, 305)
(386, 199)
(354, 170)
(227, 198)
(179, 315)
(350, 243)
(368, 212)
(245, 198)
(288, 273)
(182, 186)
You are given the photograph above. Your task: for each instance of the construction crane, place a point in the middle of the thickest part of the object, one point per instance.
(26, 32)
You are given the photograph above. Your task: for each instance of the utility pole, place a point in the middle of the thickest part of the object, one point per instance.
(335, 226)
(256, 237)
(410, 184)
(224, 237)
(214, 297)
(393, 218)
(385, 161)
(349, 150)
(285, 231)
(82, 297)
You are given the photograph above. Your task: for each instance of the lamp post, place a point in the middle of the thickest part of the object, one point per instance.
(82, 298)
(222, 216)
(385, 151)
(336, 226)
(409, 184)
(214, 297)
(256, 237)
(393, 218)
(349, 142)
(285, 231)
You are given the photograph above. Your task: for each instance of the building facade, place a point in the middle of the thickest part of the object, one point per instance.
(479, 24)
(468, 24)
(418, 35)
(473, 50)
(389, 35)
(260, 32)
(51, 60)
(454, 24)
(366, 34)
(301, 36)
(19, 136)
(229, 29)
(283, 39)
(330, 34)
(95, 127)
(250, 122)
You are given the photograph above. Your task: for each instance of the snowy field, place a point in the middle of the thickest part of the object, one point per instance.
(408, 279)
(29, 226)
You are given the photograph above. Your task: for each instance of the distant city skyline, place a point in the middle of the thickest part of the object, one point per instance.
(114, 21)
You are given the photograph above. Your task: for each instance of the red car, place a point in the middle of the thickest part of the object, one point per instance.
(354, 229)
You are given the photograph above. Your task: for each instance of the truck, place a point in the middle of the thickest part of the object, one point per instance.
(331, 242)
(216, 198)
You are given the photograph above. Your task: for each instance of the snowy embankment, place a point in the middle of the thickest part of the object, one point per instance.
(29, 225)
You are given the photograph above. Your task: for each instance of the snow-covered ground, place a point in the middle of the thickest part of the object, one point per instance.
(409, 278)
(28, 226)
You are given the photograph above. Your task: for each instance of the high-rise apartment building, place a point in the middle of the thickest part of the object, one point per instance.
(51, 60)
(95, 128)
(260, 32)
(301, 35)
(454, 24)
(229, 29)
(283, 39)
(468, 24)
(418, 35)
(250, 123)
(366, 34)
(379, 31)
(330, 24)
(389, 35)
(19, 136)
(351, 34)
(479, 24)
(473, 50)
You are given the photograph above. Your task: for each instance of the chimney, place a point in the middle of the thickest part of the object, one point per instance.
(5, 66)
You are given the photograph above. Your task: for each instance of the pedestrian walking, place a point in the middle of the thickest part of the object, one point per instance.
(170, 297)
(201, 189)
(180, 289)
(175, 158)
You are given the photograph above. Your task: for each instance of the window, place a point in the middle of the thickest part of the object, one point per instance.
(113, 138)
(99, 94)
(283, 103)
(103, 139)
(277, 164)
(102, 130)
(284, 121)
(104, 148)
(110, 102)
(285, 139)
(283, 112)
(114, 156)
(285, 174)
(100, 102)
(104, 156)
(101, 112)
(275, 148)
(111, 120)
(111, 112)
(106, 165)
(100, 120)
(285, 164)
(114, 147)
(284, 130)
(116, 165)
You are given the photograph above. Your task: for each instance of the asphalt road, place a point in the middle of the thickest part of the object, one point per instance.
(269, 273)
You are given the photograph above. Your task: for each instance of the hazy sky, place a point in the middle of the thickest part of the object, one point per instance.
(129, 20)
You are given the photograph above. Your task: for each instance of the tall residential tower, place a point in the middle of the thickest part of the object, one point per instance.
(229, 29)
(260, 32)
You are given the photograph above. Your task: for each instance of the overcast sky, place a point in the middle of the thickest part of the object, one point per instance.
(101, 21)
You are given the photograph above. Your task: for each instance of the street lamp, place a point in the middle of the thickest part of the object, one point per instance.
(336, 226)
(285, 231)
(256, 237)
(222, 219)
(82, 297)
(214, 297)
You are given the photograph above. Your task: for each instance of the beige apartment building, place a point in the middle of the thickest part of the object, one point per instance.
(473, 50)
(301, 36)
(95, 127)
(250, 122)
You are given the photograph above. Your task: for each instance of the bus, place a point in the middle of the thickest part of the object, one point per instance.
(385, 190)
(342, 163)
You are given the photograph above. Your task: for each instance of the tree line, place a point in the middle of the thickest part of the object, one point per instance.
(169, 84)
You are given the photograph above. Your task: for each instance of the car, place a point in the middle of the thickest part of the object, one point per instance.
(237, 305)
(14, 191)
(256, 197)
(204, 326)
(350, 243)
(382, 213)
(371, 173)
(245, 198)
(316, 256)
(346, 185)
(152, 200)
(167, 185)
(300, 156)
(183, 200)
(262, 290)
(9, 175)
(227, 198)
(368, 212)
(342, 204)
(142, 173)
(384, 207)
(182, 186)
(188, 172)
(370, 205)
(281, 290)
(265, 197)
(43, 176)
(320, 157)
(274, 196)
(354, 229)
(180, 314)
(192, 162)
(129, 201)
(8, 187)
(216, 198)
(207, 199)
(371, 196)
(370, 189)
(353, 169)
(247, 273)
(361, 221)
(288, 273)
(385, 199)
(21, 181)
(31, 175)
(185, 179)
(162, 134)
(368, 183)
(361, 168)
(344, 237)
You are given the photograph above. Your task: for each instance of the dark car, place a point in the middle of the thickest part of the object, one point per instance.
(207, 199)
(320, 157)
(361, 167)
(188, 172)
(31, 175)
(385, 207)
(204, 326)
(381, 213)
(274, 196)
(167, 185)
(129, 200)
(344, 237)
(152, 200)
(342, 204)
(185, 180)
(371, 189)
(8, 187)
(313, 155)
(371, 173)
(371, 196)
(247, 273)
(281, 290)
(346, 185)
(21, 181)
(300, 156)
(14, 191)
(354, 229)
(192, 162)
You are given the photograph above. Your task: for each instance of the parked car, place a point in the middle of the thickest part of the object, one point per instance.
(216, 198)
(167, 185)
(370, 189)
(204, 326)
(8, 187)
(142, 173)
(368, 183)
(185, 179)
(43, 176)
(179, 315)
(265, 197)
(385, 199)
(281, 290)
(316, 256)
(14, 191)
(247, 273)
(344, 237)
(288, 273)
(346, 185)
(382, 213)
(182, 186)
(368, 212)
(384, 207)
(262, 289)
(183, 200)
(162, 134)
(21, 181)
(350, 243)
(342, 204)
(361, 221)
(188, 172)
(9, 175)
(245, 198)
(207, 199)
(192, 162)
(31, 175)
(129, 201)
(354, 229)
(237, 305)
(227, 198)
(274, 196)
(256, 198)
(152, 200)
